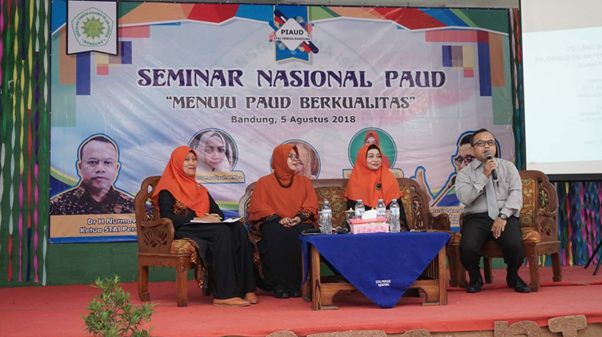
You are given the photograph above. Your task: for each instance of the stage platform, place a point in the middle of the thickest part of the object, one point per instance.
(57, 310)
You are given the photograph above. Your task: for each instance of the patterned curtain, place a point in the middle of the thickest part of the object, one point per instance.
(518, 103)
(24, 137)
(579, 226)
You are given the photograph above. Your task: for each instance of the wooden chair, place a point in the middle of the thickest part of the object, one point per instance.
(539, 224)
(157, 246)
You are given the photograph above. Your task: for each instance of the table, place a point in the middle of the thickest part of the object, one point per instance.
(380, 265)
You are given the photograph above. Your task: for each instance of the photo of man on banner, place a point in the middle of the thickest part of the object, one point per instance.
(98, 167)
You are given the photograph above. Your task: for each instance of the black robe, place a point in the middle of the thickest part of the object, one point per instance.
(224, 246)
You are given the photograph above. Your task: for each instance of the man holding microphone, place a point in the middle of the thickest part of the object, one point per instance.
(491, 190)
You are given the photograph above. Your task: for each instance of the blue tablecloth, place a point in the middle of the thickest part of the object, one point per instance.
(380, 265)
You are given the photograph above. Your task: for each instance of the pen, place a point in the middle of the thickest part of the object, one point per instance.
(219, 217)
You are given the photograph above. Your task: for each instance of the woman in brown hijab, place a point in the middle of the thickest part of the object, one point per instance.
(371, 180)
(225, 246)
(282, 205)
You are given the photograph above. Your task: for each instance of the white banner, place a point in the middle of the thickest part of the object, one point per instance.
(234, 81)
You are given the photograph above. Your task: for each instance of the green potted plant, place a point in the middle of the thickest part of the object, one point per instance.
(112, 313)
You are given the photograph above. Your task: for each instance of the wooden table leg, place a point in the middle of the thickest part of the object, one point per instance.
(316, 286)
(442, 277)
(306, 287)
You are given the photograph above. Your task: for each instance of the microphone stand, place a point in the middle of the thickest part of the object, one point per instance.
(591, 258)
(442, 193)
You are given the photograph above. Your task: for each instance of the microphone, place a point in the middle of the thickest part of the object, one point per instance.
(494, 172)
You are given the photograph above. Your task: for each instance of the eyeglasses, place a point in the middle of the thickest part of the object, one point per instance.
(467, 160)
(482, 143)
(293, 157)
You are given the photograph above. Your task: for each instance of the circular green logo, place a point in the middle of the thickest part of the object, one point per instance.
(92, 27)
(373, 136)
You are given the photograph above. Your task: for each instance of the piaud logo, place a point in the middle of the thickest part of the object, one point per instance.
(292, 36)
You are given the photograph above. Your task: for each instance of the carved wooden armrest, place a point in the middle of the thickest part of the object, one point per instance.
(546, 214)
(156, 235)
(546, 223)
(157, 223)
(439, 221)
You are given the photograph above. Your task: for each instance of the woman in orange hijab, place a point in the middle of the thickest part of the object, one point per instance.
(370, 180)
(226, 245)
(282, 205)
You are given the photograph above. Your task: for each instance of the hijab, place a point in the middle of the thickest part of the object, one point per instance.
(372, 134)
(363, 180)
(183, 187)
(283, 192)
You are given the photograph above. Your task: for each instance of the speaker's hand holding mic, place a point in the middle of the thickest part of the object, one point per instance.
(490, 166)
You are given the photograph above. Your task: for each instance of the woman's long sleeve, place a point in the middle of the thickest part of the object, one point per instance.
(351, 204)
(166, 207)
(214, 208)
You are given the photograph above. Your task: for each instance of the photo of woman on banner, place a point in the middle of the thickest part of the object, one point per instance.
(225, 247)
(309, 162)
(98, 167)
(370, 180)
(377, 137)
(283, 204)
(217, 150)
(372, 137)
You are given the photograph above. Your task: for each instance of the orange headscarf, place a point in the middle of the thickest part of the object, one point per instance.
(182, 186)
(363, 180)
(374, 134)
(270, 197)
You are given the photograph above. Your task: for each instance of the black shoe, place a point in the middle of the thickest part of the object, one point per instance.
(281, 294)
(519, 286)
(474, 286)
(296, 293)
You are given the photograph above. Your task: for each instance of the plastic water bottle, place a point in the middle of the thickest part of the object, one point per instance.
(359, 209)
(381, 209)
(394, 221)
(327, 218)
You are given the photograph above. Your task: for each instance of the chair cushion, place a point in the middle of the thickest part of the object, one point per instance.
(455, 239)
(338, 203)
(529, 209)
(530, 235)
(181, 247)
